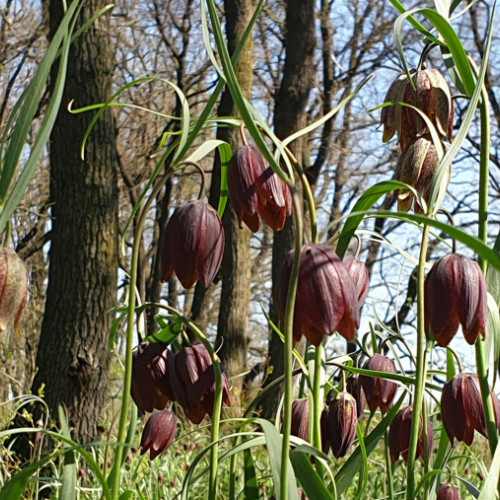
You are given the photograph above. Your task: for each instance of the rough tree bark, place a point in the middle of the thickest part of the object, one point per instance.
(235, 292)
(290, 116)
(73, 356)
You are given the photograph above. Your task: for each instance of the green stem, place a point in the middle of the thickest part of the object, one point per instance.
(288, 345)
(317, 396)
(214, 431)
(388, 467)
(421, 369)
(481, 362)
(129, 339)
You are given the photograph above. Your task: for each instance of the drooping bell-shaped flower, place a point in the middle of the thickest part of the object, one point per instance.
(359, 275)
(462, 408)
(193, 382)
(353, 387)
(399, 436)
(417, 166)
(431, 95)
(255, 190)
(300, 419)
(13, 288)
(390, 116)
(455, 293)
(342, 421)
(448, 491)
(193, 244)
(326, 299)
(300, 422)
(158, 433)
(150, 388)
(379, 392)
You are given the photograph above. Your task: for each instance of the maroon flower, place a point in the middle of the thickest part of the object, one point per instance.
(462, 408)
(150, 387)
(193, 244)
(256, 190)
(455, 293)
(300, 419)
(359, 275)
(342, 421)
(158, 433)
(353, 387)
(448, 491)
(193, 382)
(326, 299)
(379, 392)
(13, 288)
(399, 435)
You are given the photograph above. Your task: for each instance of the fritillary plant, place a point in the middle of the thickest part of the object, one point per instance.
(323, 441)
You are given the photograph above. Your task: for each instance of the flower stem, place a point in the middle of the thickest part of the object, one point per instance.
(129, 339)
(421, 369)
(214, 431)
(481, 362)
(288, 345)
(318, 402)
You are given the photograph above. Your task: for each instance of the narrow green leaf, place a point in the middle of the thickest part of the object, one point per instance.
(14, 487)
(68, 486)
(489, 490)
(251, 489)
(354, 463)
(311, 482)
(273, 443)
(30, 99)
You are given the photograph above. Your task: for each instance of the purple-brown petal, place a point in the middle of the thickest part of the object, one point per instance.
(158, 433)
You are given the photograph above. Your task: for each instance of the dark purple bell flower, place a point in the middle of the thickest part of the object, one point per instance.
(455, 294)
(158, 433)
(193, 382)
(326, 299)
(193, 244)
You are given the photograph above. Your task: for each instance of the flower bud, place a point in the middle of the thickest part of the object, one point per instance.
(158, 433)
(13, 288)
(193, 244)
(193, 382)
(399, 435)
(379, 392)
(455, 293)
(326, 299)
(342, 421)
(448, 491)
(150, 388)
(256, 190)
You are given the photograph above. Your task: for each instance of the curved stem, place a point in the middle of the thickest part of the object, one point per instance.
(421, 368)
(195, 164)
(129, 338)
(481, 362)
(288, 345)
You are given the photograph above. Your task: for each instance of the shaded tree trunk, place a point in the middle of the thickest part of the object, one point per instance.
(73, 356)
(290, 116)
(236, 283)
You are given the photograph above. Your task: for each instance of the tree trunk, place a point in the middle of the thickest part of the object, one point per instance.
(289, 116)
(235, 293)
(73, 356)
